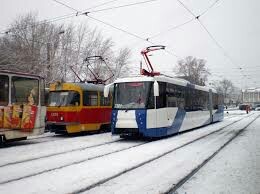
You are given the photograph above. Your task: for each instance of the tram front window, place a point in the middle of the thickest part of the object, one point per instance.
(132, 95)
(4, 83)
(64, 98)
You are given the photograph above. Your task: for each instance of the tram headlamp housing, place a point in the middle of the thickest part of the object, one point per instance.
(61, 118)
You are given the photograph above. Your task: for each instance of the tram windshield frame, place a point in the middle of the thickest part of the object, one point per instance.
(133, 95)
(64, 98)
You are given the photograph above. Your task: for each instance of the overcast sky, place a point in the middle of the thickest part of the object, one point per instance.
(233, 23)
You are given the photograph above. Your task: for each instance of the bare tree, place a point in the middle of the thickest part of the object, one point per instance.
(29, 46)
(193, 70)
(121, 61)
(227, 88)
(49, 50)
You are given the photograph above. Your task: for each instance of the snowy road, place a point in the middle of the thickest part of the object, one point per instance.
(101, 163)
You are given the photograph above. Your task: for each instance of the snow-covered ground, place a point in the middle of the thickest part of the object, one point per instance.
(102, 163)
(234, 170)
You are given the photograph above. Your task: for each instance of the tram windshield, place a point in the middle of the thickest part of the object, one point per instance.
(64, 98)
(132, 95)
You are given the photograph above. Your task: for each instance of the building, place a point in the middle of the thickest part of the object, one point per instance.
(251, 96)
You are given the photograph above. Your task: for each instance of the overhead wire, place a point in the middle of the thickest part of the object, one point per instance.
(66, 16)
(125, 31)
(131, 34)
(59, 2)
(172, 28)
(210, 7)
(122, 6)
(210, 35)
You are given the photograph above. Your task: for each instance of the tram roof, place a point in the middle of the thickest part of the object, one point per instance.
(7, 72)
(90, 86)
(162, 78)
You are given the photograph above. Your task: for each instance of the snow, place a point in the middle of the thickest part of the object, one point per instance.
(30, 168)
(74, 164)
(31, 151)
(160, 175)
(234, 170)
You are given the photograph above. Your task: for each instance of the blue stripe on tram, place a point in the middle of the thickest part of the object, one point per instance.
(141, 116)
(177, 123)
(113, 120)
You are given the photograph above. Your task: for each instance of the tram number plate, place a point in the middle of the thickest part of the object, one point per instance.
(54, 114)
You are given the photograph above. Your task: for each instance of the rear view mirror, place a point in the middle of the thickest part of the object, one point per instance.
(156, 88)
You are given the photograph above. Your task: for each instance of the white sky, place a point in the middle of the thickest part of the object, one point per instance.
(233, 23)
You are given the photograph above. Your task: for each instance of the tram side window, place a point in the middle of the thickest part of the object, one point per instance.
(161, 99)
(220, 99)
(205, 100)
(215, 101)
(105, 101)
(4, 91)
(75, 99)
(175, 95)
(90, 98)
(196, 100)
(25, 90)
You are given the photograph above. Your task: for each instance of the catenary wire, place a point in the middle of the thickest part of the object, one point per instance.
(211, 36)
(63, 17)
(210, 7)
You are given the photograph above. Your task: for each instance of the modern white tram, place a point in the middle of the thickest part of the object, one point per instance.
(158, 106)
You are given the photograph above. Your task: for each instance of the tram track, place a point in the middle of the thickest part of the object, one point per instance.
(98, 183)
(43, 139)
(73, 163)
(106, 154)
(76, 149)
(175, 187)
(59, 153)
(54, 154)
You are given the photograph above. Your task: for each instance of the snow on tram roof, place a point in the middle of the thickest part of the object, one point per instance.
(163, 78)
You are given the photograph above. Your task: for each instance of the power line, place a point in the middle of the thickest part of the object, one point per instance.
(59, 2)
(63, 17)
(211, 36)
(187, 22)
(211, 6)
(105, 9)
(185, 7)
(130, 33)
(121, 6)
(172, 28)
(117, 28)
(99, 5)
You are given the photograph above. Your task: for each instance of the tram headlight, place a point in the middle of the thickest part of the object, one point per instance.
(61, 118)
